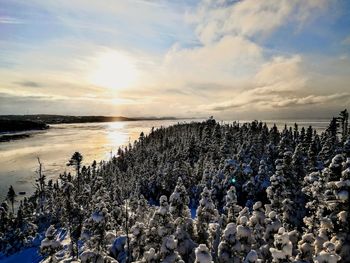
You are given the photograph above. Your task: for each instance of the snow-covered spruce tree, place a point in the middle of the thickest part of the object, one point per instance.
(168, 253)
(337, 205)
(206, 178)
(214, 230)
(277, 191)
(273, 224)
(217, 188)
(297, 197)
(231, 209)
(257, 224)
(203, 254)
(313, 162)
(244, 235)
(258, 213)
(142, 211)
(306, 248)
(192, 151)
(249, 187)
(331, 144)
(73, 216)
(179, 201)
(50, 244)
(328, 254)
(226, 144)
(328, 206)
(206, 214)
(282, 247)
(137, 241)
(75, 228)
(262, 180)
(314, 184)
(95, 229)
(285, 144)
(185, 244)
(230, 247)
(160, 225)
(298, 162)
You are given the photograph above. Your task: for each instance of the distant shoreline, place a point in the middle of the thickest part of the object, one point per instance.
(57, 119)
(11, 125)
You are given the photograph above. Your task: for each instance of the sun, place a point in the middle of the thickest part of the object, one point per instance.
(113, 70)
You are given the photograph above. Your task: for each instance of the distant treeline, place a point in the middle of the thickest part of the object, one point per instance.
(7, 125)
(55, 119)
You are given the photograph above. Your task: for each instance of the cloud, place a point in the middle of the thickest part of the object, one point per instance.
(31, 84)
(222, 61)
(35, 104)
(280, 74)
(277, 101)
(280, 83)
(250, 17)
(309, 100)
(10, 20)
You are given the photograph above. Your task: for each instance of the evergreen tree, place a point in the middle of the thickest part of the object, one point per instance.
(230, 247)
(179, 201)
(50, 244)
(206, 214)
(11, 196)
(75, 161)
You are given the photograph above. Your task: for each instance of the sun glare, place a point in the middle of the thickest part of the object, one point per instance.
(113, 70)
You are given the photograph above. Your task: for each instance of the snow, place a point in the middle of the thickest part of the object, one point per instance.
(117, 249)
(193, 212)
(230, 230)
(343, 195)
(251, 257)
(29, 255)
(202, 254)
(87, 256)
(97, 217)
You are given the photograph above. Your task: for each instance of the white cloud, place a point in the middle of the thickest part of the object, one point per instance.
(280, 74)
(280, 83)
(251, 17)
(223, 61)
(309, 100)
(10, 20)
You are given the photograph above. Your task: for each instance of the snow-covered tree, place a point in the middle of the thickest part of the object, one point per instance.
(206, 214)
(50, 244)
(168, 253)
(282, 247)
(179, 201)
(203, 254)
(230, 247)
(160, 225)
(231, 208)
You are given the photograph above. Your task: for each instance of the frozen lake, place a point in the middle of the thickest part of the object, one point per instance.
(95, 141)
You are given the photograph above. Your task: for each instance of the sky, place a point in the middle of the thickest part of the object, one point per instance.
(248, 59)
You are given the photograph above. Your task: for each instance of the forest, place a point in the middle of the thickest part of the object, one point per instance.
(195, 192)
